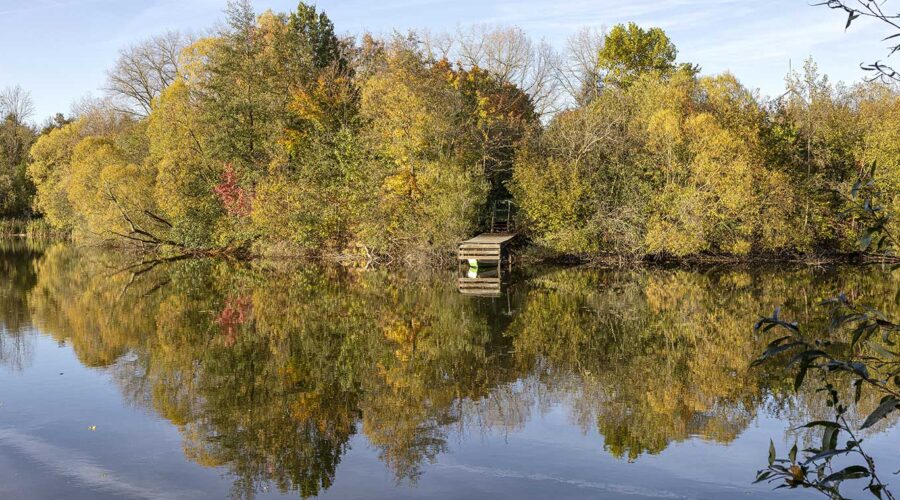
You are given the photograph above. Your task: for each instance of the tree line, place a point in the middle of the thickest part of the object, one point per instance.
(274, 135)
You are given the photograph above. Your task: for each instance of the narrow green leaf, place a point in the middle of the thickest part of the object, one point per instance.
(865, 241)
(859, 368)
(821, 423)
(888, 404)
(825, 454)
(829, 438)
(875, 489)
(801, 374)
(862, 333)
(851, 472)
(762, 476)
(882, 351)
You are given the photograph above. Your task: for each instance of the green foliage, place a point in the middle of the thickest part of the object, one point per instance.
(671, 166)
(16, 189)
(313, 32)
(630, 51)
(318, 191)
(50, 170)
(431, 188)
(268, 139)
(866, 355)
(868, 361)
(276, 136)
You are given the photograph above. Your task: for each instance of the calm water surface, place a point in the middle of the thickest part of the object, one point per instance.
(208, 379)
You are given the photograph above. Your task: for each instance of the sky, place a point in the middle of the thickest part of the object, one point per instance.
(59, 50)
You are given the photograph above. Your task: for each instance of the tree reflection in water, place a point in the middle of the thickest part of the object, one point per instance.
(269, 368)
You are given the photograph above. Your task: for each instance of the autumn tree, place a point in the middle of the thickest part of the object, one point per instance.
(574, 175)
(111, 192)
(234, 96)
(16, 137)
(50, 171)
(317, 190)
(661, 162)
(629, 51)
(431, 188)
(186, 176)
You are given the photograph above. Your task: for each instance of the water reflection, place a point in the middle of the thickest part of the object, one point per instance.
(18, 276)
(268, 369)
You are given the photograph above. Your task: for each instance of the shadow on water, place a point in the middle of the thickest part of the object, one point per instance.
(268, 369)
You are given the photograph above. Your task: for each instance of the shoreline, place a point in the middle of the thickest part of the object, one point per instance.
(524, 255)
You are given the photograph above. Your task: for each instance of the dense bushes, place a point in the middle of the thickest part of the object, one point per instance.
(669, 163)
(673, 165)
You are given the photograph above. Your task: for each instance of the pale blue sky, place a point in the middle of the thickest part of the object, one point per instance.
(59, 50)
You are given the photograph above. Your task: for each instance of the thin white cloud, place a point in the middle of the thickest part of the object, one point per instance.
(619, 489)
(83, 469)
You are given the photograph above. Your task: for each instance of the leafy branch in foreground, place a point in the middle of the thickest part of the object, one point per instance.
(871, 360)
(873, 9)
(863, 207)
(868, 363)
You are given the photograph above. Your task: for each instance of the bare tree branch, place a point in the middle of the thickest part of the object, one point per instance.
(872, 9)
(512, 57)
(16, 103)
(578, 72)
(144, 70)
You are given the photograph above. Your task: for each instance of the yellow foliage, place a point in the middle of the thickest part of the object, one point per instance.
(185, 177)
(429, 194)
(50, 169)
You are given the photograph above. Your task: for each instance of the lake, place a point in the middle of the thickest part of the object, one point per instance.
(216, 379)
